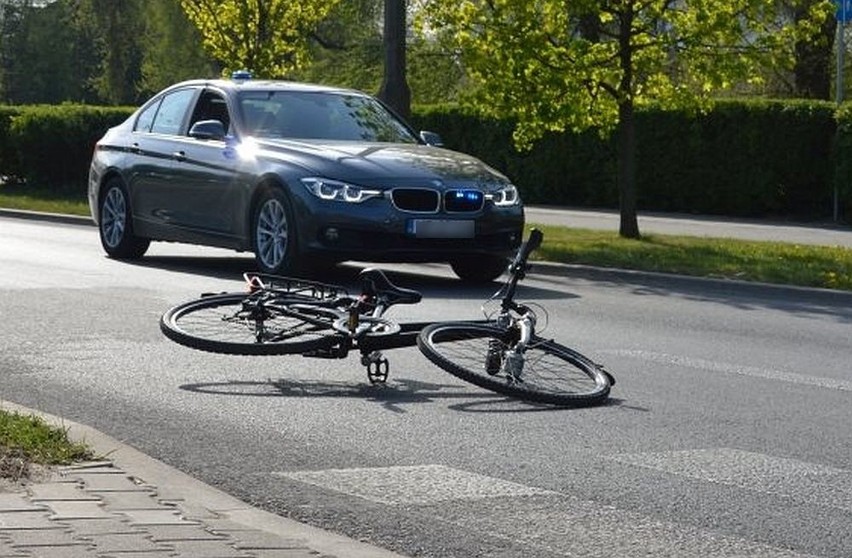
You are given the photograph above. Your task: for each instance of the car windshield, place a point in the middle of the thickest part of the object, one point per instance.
(320, 116)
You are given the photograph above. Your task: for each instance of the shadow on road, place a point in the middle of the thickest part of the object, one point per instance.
(393, 396)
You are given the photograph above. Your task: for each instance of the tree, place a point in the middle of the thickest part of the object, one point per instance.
(172, 48)
(394, 90)
(267, 37)
(553, 64)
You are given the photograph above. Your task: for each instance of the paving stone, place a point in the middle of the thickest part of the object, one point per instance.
(75, 551)
(208, 549)
(155, 517)
(186, 532)
(17, 501)
(6, 550)
(102, 526)
(90, 467)
(289, 553)
(131, 501)
(41, 537)
(68, 490)
(127, 542)
(25, 520)
(264, 539)
(110, 482)
(78, 509)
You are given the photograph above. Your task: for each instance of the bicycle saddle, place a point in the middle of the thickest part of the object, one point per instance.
(374, 282)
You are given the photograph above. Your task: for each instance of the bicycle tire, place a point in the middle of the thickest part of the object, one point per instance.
(551, 373)
(221, 324)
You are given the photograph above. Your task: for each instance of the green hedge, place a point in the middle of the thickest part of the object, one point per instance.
(743, 158)
(51, 145)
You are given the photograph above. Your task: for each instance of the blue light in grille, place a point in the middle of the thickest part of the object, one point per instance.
(463, 200)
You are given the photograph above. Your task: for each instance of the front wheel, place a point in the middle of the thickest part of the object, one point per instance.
(545, 372)
(239, 324)
(274, 233)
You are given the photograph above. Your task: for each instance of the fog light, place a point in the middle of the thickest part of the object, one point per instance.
(332, 234)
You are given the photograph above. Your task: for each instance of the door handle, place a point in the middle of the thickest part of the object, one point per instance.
(135, 148)
(179, 156)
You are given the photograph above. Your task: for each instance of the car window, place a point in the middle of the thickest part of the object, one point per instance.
(321, 115)
(170, 115)
(211, 106)
(146, 118)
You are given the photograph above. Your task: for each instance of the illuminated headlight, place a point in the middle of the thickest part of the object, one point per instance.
(334, 190)
(505, 196)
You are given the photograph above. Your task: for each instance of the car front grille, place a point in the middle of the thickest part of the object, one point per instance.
(424, 200)
(418, 200)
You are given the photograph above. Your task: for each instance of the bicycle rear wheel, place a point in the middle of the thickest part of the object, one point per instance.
(546, 372)
(240, 324)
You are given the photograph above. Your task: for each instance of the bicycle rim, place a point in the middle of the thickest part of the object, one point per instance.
(225, 324)
(547, 373)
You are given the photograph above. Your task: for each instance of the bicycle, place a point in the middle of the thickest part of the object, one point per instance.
(502, 353)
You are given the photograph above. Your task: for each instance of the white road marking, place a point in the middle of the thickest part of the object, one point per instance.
(729, 368)
(800, 480)
(420, 484)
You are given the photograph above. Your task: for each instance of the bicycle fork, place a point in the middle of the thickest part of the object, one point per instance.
(512, 362)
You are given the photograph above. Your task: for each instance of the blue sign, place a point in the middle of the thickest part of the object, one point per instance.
(844, 10)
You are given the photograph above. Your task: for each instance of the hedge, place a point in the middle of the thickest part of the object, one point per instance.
(759, 158)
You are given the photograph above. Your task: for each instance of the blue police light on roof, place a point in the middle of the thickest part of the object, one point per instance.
(241, 75)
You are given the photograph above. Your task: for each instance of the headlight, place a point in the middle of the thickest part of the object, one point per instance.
(334, 190)
(505, 196)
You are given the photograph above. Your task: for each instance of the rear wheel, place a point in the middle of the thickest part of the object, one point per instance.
(479, 269)
(236, 323)
(115, 223)
(544, 372)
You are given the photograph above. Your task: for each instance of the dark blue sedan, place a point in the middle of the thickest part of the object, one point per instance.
(303, 176)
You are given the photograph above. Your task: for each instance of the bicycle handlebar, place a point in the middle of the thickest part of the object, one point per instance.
(519, 264)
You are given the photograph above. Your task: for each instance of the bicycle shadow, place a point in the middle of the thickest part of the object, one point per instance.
(394, 395)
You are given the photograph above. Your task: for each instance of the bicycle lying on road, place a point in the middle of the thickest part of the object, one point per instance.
(502, 353)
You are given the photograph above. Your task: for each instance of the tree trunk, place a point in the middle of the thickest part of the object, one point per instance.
(629, 225)
(394, 90)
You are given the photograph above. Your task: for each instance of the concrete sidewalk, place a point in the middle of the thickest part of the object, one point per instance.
(132, 506)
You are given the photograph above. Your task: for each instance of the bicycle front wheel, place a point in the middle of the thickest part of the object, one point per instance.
(544, 372)
(236, 323)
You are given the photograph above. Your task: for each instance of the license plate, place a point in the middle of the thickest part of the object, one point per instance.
(441, 228)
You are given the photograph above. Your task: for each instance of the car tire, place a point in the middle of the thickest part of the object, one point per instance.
(479, 269)
(115, 223)
(274, 233)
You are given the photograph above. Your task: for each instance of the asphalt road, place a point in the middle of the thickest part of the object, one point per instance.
(727, 433)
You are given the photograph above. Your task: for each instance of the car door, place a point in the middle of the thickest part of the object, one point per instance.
(206, 184)
(151, 175)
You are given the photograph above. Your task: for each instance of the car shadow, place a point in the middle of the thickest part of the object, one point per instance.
(429, 279)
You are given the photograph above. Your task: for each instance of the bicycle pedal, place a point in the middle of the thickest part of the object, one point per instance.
(378, 370)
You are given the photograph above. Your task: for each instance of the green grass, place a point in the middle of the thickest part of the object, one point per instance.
(40, 199)
(29, 439)
(771, 262)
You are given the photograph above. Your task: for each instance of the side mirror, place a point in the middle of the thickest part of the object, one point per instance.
(431, 138)
(208, 130)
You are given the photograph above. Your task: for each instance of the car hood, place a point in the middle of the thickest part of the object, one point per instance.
(378, 163)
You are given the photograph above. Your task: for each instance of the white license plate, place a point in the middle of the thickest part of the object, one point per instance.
(441, 228)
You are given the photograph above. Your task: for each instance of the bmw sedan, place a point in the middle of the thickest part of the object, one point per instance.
(303, 176)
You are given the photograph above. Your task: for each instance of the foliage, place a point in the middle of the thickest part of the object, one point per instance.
(268, 38)
(551, 65)
(53, 143)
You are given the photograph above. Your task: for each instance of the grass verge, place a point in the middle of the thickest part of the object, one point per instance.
(25, 440)
(13, 196)
(770, 262)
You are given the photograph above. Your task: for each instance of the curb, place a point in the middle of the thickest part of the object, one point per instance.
(48, 217)
(174, 485)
